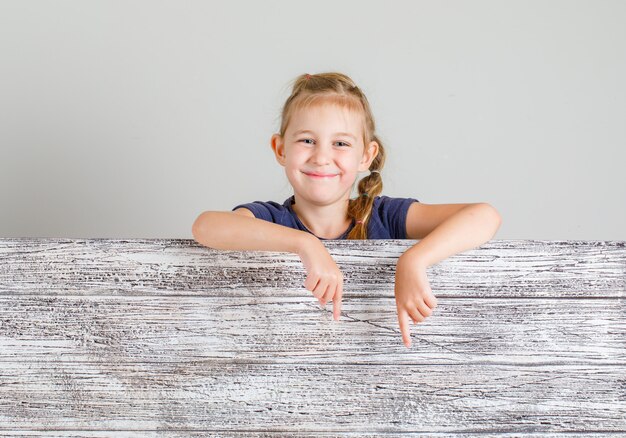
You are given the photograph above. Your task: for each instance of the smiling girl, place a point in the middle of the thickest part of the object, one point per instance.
(327, 136)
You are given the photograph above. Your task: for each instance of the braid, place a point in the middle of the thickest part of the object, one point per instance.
(360, 209)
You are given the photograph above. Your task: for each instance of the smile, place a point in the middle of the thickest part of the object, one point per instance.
(320, 175)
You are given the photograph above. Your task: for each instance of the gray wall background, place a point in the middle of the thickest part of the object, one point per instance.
(127, 119)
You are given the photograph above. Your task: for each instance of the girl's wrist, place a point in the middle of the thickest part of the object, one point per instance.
(413, 258)
(304, 242)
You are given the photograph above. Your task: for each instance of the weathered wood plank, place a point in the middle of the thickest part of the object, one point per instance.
(506, 268)
(108, 337)
(296, 330)
(264, 434)
(285, 397)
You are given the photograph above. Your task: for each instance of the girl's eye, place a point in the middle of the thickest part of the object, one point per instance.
(310, 139)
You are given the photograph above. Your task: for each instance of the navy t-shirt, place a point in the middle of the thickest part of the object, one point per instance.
(387, 221)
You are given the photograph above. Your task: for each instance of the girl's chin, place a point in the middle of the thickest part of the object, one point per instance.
(321, 197)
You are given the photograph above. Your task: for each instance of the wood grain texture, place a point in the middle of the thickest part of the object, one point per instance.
(297, 330)
(110, 337)
(500, 268)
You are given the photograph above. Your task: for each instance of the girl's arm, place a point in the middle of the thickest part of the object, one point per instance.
(448, 229)
(444, 230)
(241, 231)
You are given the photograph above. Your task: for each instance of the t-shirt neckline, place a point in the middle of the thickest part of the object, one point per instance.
(292, 199)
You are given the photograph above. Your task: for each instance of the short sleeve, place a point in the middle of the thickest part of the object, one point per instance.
(268, 211)
(393, 213)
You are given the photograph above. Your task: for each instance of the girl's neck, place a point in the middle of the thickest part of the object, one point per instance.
(327, 221)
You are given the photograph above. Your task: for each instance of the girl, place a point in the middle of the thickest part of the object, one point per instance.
(327, 135)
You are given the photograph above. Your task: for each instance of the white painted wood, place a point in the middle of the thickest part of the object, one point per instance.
(209, 395)
(104, 337)
(504, 268)
(297, 330)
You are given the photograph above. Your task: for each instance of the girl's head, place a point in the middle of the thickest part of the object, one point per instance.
(340, 140)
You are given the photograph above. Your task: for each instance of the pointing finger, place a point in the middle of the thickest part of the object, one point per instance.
(337, 302)
(403, 319)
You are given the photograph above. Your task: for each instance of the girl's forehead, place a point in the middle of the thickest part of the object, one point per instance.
(327, 114)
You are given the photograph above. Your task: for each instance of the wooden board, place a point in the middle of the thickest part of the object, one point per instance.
(124, 337)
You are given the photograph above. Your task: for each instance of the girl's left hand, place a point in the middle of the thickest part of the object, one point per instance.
(414, 297)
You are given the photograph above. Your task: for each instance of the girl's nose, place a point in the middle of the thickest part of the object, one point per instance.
(321, 155)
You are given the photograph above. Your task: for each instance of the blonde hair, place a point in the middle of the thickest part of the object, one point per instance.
(339, 89)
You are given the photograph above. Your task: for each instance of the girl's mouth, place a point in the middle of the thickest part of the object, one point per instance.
(320, 175)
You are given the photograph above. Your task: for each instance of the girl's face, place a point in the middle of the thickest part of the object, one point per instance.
(323, 151)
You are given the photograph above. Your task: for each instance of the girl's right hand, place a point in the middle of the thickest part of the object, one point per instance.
(324, 278)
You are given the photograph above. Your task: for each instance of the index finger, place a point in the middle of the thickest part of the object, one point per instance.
(337, 302)
(403, 319)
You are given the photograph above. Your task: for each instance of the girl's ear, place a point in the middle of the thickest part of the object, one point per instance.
(278, 146)
(369, 154)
